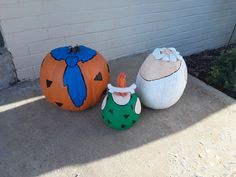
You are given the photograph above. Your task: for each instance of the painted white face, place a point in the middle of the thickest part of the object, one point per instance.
(121, 100)
(118, 99)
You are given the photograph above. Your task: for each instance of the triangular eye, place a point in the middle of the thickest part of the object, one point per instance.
(126, 115)
(59, 104)
(48, 83)
(111, 111)
(98, 77)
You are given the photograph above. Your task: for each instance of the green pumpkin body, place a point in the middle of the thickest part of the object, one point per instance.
(121, 116)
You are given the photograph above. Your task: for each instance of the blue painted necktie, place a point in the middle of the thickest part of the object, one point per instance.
(73, 77)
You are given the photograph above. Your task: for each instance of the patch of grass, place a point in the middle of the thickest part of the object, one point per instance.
(223, 73)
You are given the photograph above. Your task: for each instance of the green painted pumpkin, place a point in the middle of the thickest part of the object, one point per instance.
(121, 107)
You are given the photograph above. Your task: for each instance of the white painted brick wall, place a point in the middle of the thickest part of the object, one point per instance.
(31, 28)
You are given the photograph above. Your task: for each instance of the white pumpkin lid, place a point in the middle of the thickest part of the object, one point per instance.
(160, 63)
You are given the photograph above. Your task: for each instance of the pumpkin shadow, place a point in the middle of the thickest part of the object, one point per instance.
(37, 137)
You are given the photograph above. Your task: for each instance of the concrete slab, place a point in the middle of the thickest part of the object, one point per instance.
(194, 138)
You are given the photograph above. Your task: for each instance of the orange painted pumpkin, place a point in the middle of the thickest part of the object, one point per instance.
(74, 78)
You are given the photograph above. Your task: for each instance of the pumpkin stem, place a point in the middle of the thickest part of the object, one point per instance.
(121, 82)
(75, 49)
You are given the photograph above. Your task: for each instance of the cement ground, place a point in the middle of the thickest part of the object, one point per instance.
(194, 138)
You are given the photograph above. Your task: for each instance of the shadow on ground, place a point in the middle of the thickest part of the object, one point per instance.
(37, 137)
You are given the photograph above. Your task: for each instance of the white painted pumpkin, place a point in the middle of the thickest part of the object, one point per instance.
(162, 78)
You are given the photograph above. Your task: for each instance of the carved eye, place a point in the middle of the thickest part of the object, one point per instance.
(48, 83)
(98, 77)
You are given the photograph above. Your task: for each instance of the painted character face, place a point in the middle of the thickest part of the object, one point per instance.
(74, 78)
(162, 78)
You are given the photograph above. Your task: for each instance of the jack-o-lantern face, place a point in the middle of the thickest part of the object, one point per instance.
(74, 78)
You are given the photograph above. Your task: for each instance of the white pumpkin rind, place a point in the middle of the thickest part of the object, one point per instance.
(163, 92)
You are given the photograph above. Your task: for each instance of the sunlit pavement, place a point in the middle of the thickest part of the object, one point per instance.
(194, 138)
